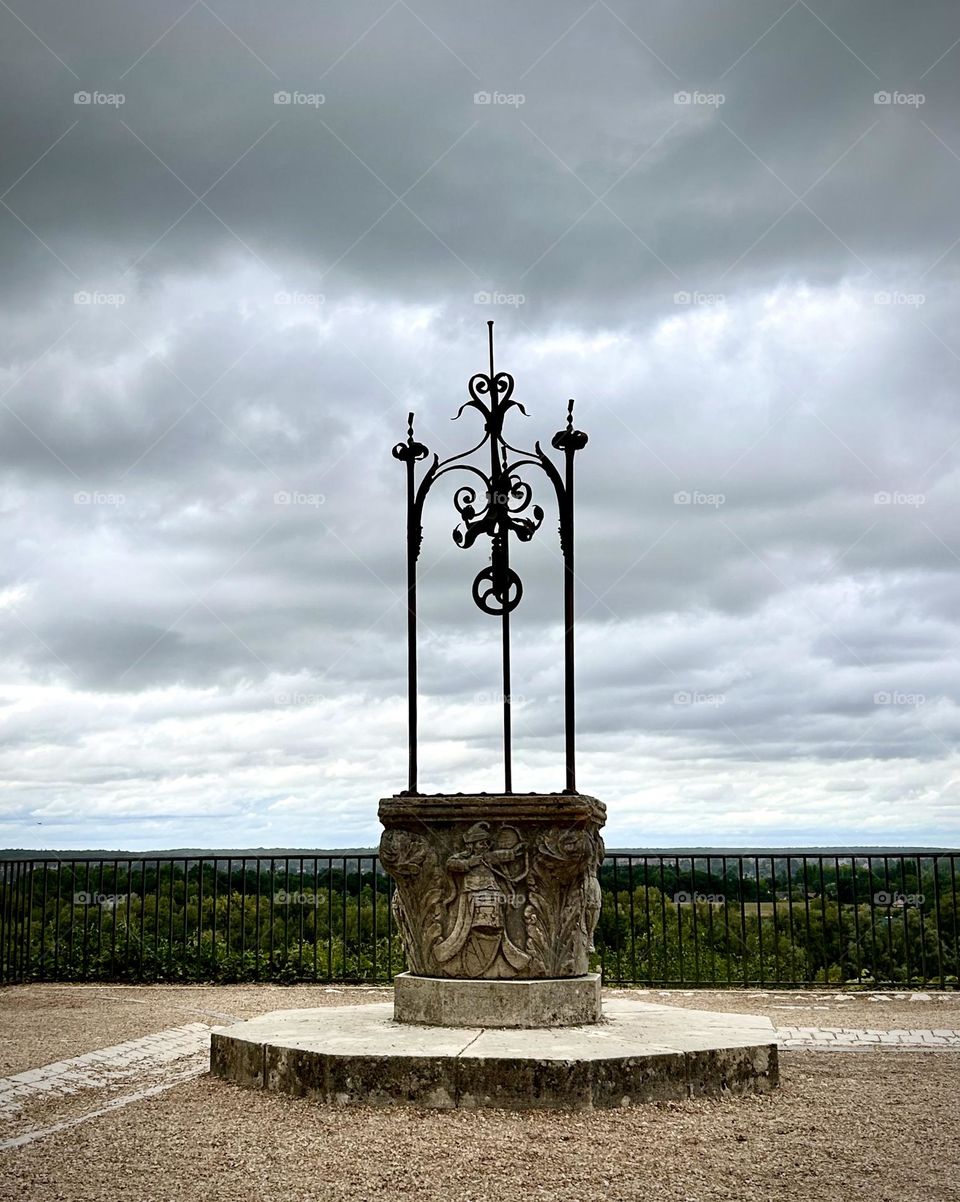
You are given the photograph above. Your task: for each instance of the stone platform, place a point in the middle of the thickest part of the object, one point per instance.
(637, 1053)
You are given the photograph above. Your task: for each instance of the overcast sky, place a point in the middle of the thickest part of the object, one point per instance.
(240, 242)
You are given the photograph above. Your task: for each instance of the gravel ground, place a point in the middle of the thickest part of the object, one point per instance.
(880, 1127)
(874, 1126)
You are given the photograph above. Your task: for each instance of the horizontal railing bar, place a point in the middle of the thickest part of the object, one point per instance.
(698, 853)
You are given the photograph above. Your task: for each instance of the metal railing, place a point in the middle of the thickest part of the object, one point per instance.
(772, 918)
(714, 918)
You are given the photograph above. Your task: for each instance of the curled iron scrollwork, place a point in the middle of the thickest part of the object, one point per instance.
(506, 498)
(497, 593)
(496, 503)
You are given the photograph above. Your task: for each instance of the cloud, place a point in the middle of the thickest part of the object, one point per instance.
(219, 310)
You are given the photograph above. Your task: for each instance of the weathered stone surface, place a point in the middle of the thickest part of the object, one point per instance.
(639, 1053)
(736, 1067)
(238, 1060)
(492, 886)
(434, 1002)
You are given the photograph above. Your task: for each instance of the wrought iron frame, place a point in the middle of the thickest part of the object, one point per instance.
(507, 509)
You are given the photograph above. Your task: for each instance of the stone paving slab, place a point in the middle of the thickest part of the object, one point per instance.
(846, 1038)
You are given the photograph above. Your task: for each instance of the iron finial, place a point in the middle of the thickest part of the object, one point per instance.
(569, 439)
(410, 451)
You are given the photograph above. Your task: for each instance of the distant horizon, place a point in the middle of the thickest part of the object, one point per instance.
(293, 852)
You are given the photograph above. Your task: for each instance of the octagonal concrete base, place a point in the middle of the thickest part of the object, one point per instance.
(637, 1053)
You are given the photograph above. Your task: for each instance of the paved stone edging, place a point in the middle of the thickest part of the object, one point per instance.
(846, 1038)
(106, 1067)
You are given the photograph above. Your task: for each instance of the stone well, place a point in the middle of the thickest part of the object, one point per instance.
(497, 895)
(496, 901)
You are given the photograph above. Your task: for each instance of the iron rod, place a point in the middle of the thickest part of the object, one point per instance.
(507, 715)
(413, 538)
(569, 716)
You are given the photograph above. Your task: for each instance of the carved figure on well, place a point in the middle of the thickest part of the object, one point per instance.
(485, 904)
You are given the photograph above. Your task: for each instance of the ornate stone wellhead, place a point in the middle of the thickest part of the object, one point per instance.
(496, 886)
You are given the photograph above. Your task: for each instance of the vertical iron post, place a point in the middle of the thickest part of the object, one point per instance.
(569, 716)
(507, 700)
(569, 441)
(412, 537)
(500, 552)
(409, 452)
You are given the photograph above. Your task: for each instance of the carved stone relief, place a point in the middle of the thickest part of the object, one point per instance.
(493, 887)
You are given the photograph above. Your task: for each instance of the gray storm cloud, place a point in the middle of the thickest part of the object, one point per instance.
(238, 247)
